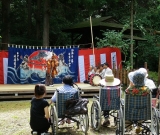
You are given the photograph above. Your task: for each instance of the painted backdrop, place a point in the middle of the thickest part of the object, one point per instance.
(27, 65)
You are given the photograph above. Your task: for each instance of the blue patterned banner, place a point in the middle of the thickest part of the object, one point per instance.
(27, 65)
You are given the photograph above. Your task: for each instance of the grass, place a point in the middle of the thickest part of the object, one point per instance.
(15, 115)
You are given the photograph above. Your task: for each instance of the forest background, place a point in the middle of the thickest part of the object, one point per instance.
(40, 23)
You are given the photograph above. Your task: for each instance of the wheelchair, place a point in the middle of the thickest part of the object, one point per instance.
(108, 100)
(137, 111)
(57, 114)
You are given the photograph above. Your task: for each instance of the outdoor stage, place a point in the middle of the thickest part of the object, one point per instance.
(26, 91)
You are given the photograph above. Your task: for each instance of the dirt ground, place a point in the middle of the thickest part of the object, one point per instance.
(15, 116)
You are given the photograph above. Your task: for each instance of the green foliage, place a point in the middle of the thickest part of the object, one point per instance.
(113, 38)
(154, 76)
(65, 13)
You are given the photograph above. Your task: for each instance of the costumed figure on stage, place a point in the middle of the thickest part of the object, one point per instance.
(51, 70)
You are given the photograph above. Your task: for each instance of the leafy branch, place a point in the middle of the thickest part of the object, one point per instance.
(116, 39)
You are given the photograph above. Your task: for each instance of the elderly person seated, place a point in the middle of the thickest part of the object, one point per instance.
(148, 82)
(137, 84)
(108, 81)
(137, 87)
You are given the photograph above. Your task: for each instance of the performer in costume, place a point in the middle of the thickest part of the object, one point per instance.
(51, 70)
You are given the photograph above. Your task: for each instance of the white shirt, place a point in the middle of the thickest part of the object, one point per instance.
(105, 71)
(149, 83)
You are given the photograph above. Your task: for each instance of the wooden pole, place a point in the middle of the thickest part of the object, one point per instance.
(145, 65)
(157, 32)
(92, 39)
(159, 71)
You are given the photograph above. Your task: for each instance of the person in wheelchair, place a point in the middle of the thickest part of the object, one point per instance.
(39, 114)
(137, 87)
(109, 80)
(67, 87)
(147, 82)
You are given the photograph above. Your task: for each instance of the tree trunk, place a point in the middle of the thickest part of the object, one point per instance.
(29, 5)
(46, 23)
(5, 24)
(38, 20)
(131, 55)
(159, 71)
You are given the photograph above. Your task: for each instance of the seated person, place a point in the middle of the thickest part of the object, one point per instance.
(137, 84)
(109, 80)
(147, 82)
(39, 114)
(94, 71)
(106, 70)
(90, 72)
(100, 69)
(67, 87)
(137, 87)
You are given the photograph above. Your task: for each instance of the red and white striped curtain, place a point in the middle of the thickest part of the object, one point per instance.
(3, 67)
(86, 58)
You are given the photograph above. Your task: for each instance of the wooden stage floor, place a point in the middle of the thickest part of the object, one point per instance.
(26, 91)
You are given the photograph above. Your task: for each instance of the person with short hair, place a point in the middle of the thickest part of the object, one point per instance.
(67, 87)
(106, 70)
(39, 114)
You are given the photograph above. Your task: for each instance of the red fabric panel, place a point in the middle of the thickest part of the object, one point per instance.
(86, 53)
(97, 52)
(3, 54)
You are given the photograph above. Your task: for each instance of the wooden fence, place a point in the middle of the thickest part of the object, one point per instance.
(122, 74)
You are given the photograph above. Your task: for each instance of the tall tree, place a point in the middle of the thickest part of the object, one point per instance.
(38, 19)
(29, 5)
(46, 23)
(5, 24)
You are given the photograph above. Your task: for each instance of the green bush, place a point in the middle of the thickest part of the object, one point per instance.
(154, 76)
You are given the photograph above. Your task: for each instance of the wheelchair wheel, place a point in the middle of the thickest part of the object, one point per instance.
(95, 115)
(155, 121)
(120, 124)
(84, 122)
(54, 120)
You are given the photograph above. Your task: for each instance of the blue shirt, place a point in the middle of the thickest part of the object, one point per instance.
(63, 89)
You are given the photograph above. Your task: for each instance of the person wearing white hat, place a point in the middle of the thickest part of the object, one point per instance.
(109, 80)
(137, 82)
(148, 82)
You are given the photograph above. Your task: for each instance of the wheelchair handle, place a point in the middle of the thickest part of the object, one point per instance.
(77, 86)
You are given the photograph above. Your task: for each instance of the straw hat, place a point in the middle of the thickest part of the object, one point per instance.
(109, 80)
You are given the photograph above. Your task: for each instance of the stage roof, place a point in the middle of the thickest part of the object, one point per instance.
(99, 24)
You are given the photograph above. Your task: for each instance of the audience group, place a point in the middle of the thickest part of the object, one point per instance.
(39, 106)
